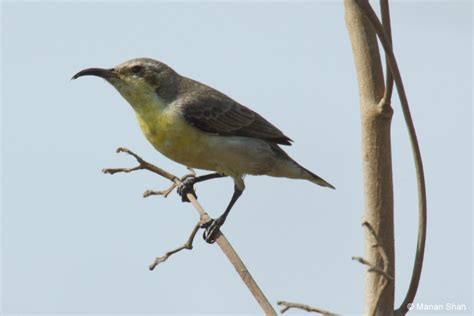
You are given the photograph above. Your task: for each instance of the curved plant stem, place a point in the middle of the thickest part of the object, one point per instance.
(422, 205)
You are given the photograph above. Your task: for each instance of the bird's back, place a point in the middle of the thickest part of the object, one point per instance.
(213, 112)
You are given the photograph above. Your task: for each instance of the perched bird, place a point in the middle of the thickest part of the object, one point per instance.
(200, 127)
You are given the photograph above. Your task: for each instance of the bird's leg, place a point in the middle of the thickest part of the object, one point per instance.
(188, 184)
(212, 226)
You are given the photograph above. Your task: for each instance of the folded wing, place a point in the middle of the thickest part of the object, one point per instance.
(215, 113)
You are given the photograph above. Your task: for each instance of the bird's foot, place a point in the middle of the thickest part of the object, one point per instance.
(212, 230)
(186, 187)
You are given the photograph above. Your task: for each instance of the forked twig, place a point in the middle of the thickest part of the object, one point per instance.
(372, 267)
(385, 264)
(163, 193)
(221, 240)
(287, 305)
(187, 245)
(167, 192)
(383, 271)
(142, 165)
(380, 248)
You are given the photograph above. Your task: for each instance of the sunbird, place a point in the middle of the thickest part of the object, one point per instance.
(200, 127)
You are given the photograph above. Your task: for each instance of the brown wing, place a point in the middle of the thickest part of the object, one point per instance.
(216, 113)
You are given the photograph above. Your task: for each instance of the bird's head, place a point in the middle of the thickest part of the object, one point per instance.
(140, 80)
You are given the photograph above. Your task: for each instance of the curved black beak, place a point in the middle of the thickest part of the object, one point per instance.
(98, 72)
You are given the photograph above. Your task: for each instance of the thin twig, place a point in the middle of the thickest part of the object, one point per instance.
(422, 214)
(221, 240)
(380, 248)
(163, 193)
(287, 305)
(385, 267)
(167, 192)
(372, 267)
(187, 245)
(142, 165)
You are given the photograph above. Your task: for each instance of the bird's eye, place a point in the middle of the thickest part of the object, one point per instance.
(136, 69)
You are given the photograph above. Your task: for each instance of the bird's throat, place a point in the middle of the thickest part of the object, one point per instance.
(144, 101)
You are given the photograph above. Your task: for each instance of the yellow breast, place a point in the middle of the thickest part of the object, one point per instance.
(170, 134)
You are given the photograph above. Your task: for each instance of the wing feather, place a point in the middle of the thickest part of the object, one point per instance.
(216, 113)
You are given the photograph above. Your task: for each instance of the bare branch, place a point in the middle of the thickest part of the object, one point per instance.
(422, 214)
(288, 305)
(221, 240)
(163, 193)
(142, 165)
(372, 267)
(187, 245)
(119, 170)
(167, 192)
(384, 271)
(377, 244)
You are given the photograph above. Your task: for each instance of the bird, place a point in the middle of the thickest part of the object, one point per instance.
(200, 127)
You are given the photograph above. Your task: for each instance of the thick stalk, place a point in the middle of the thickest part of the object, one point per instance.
(377, 162)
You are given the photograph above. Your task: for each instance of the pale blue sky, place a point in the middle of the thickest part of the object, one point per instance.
(77, 241)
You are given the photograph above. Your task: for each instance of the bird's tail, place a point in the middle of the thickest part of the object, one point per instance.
(289, 168)
(316, 179)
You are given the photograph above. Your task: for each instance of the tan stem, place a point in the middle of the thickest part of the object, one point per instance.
(377, 162)
(221, 240)
(420, 176)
